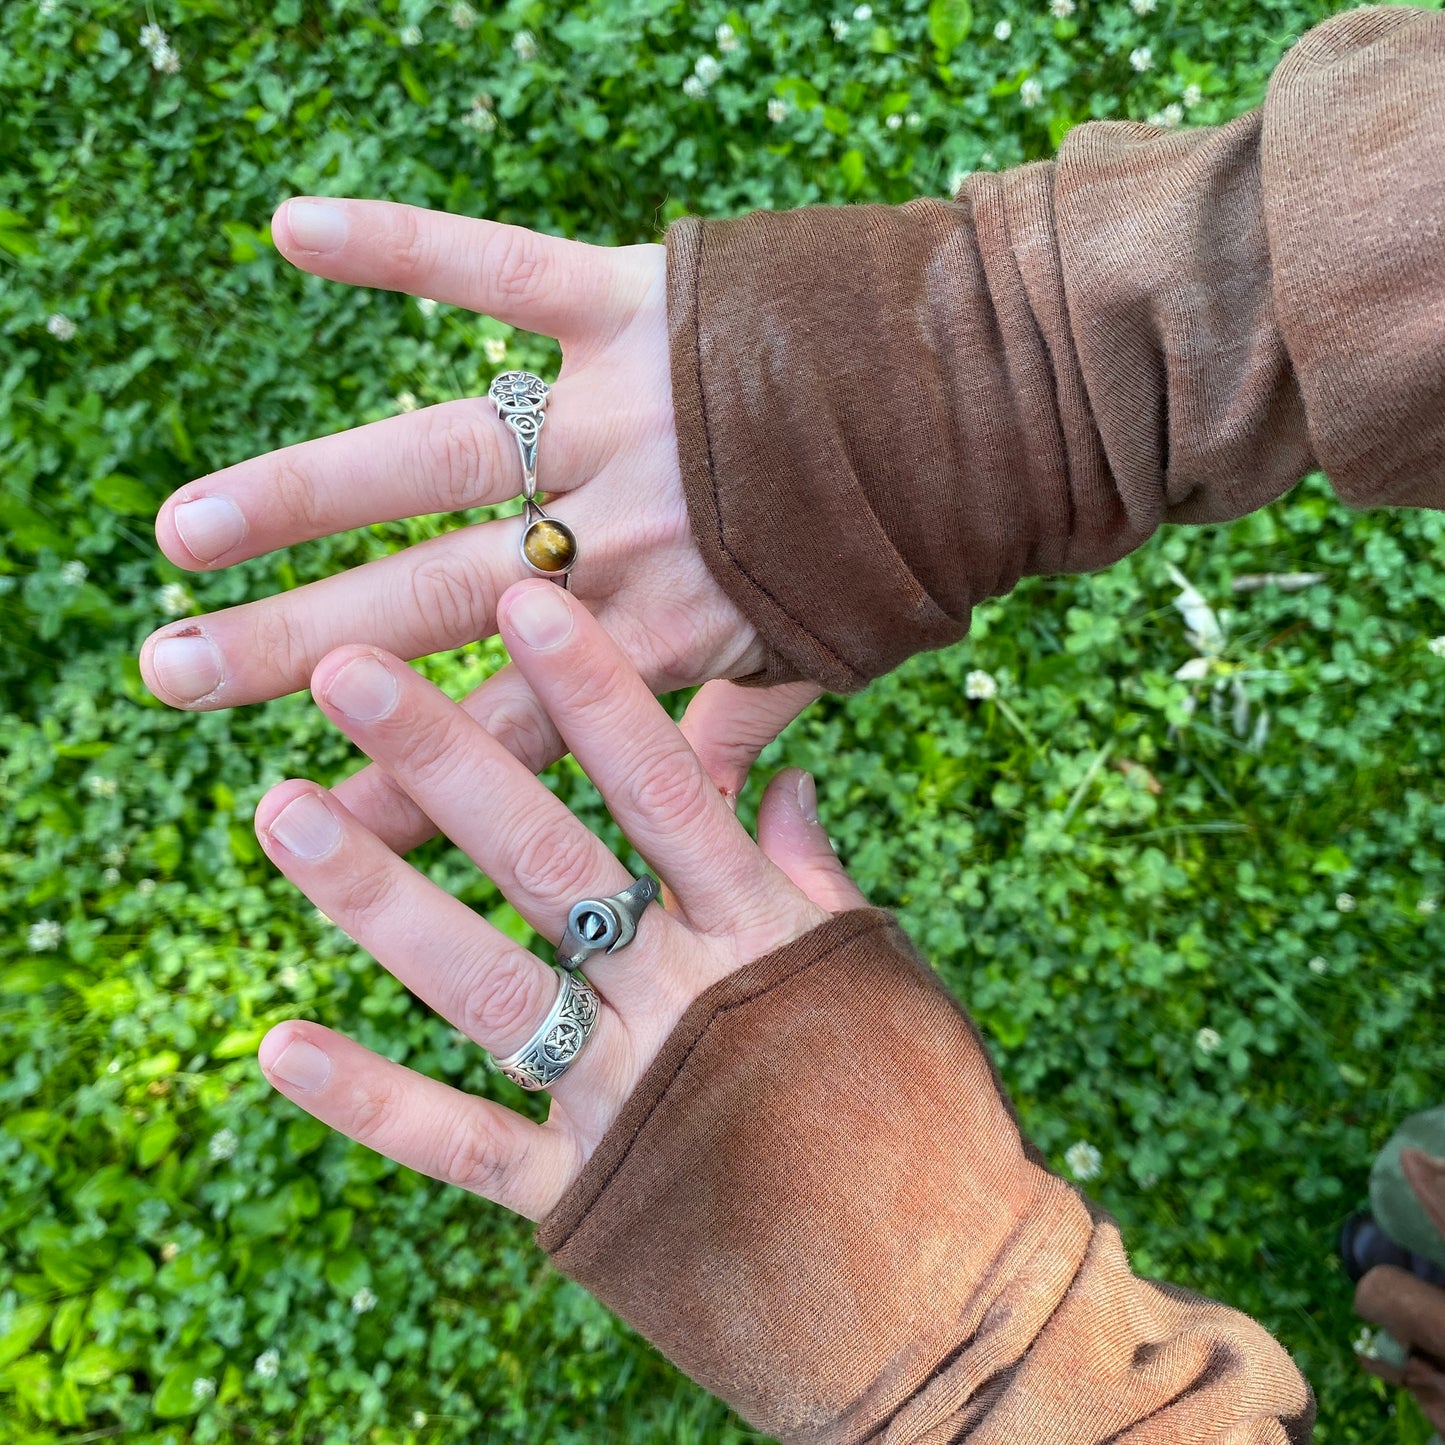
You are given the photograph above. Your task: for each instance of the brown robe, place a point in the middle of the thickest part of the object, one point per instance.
(818, 1202)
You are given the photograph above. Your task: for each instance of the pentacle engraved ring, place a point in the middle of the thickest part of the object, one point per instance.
(548, 546)
(549, 1053)
(603, 925)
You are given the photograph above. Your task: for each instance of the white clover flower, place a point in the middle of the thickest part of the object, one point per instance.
(1002, 30)
(1031, 92)
(46, 9)
(426, 306)
(418, 1419)
(1427, 906)
(840, 29)
(693, 88)
(405, 401)
(110, 877)
(1367, 1343)
(777, 110)
(1084, 1161)
(203, 1389)
(101, 786)
(1193, 95)
(164, 59)
(267, 1364)
(980, 685)
(863, 14)
(463, 16)
(1437, 646)
(410, 35)
(173, 599)
(726, 37)
(1142, 59)
(113, 1067)
(1318, 965)
(707, 69)
(152, 38)
(987, 159)
(524, 43)
(145, 887)
(914, 120)
(169, 1250)
(288, 976)
(481, 120)
(1061, 9)
(495, 350)
(113, 857)
(894, 122)
(74, 573)
(223, 1144)
(957, 180)
(1345, 902)
(362, 1301)
(62, 328)
(1142, 7)
(44, 935)
(1173, 114)
(1207, 1041)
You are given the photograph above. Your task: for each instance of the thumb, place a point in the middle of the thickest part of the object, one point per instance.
(789, 833)
(727, 726)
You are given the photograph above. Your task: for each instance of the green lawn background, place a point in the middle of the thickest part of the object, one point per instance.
(1102, 859)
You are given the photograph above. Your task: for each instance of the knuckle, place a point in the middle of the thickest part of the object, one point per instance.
(671, 787)
(503, 1000)
(372, 1114)
(363, 897)
(435, 750)
(457, 454)
(449, 601)
(513, 265)
(280, 643)
(476, 1159)
(525, 733)
(407, 252)
(553, 862)
(295, 496)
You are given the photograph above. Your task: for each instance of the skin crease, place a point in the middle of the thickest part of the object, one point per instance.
(730, 900)
(607, 463)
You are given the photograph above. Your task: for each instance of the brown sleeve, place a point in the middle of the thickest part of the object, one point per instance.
(888, 414)
(818, 1204)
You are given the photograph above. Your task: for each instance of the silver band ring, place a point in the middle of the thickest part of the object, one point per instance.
(603, 925)
(549, 1053)
(548, 546)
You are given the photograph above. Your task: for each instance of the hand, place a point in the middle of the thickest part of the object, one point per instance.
(731, 901)
(608, 456)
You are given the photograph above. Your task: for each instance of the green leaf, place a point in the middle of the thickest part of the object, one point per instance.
(949, 22)
(22, 1328)
(836, 120)
(852, 168)
(414, 87)
(348, 1272)
(125, 494)
(94, 1364)
(155, 1139)
(176, 1396)
(238, 1044)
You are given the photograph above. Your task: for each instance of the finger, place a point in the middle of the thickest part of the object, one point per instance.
(421, 1123)
(443, 459)
(507, 709)
(492, 807)
(541, 283)
(436, 595)
(496, 993)
(729, 726)
(651, 780)
(790, 834)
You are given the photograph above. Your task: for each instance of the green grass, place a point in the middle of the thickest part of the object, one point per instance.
(1098, 871)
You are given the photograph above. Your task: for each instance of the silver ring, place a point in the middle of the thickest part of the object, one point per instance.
(548, 547)
(549, 1053)
(603, 925)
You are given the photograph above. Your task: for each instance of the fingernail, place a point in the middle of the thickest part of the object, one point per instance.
(541, 616)
(209, 526)
(188, 668)
(808, 798)
(315, 227)
(364, 690)
(306, 827)
(301, 1064)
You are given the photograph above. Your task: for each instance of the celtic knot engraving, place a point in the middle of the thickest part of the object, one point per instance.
(559, 1040)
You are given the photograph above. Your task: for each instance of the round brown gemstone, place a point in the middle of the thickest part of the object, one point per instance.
(549, 546)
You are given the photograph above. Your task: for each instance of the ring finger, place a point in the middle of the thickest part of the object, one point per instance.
(467, 971)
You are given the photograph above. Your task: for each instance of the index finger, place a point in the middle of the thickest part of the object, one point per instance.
(547, 284)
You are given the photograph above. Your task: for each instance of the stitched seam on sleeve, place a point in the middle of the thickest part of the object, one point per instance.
(881, 926)
(712, 476)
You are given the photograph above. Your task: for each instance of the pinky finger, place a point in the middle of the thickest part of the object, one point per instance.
(421, 1123)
